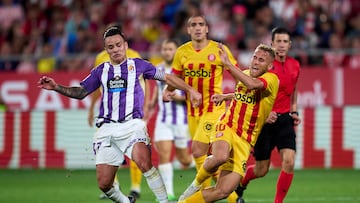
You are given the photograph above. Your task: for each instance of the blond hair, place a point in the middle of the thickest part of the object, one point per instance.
(267, 49)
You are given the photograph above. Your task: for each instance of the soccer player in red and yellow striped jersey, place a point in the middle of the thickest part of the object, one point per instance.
(203, 70)
(199, 64)
(279, 130)
(238, 129)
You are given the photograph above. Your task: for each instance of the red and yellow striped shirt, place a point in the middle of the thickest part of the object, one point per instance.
(203, 70)
(249, 109)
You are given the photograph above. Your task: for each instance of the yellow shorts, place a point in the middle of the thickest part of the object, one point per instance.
(201, 127)
(239, 149)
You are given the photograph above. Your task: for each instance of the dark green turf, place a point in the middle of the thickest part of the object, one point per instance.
(79, 186)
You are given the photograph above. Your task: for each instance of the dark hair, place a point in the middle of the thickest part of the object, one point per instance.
(113, 30)
(278, 30)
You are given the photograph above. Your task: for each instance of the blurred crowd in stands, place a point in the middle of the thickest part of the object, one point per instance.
(65, 35)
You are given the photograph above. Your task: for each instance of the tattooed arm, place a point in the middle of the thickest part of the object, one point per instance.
(72, 92)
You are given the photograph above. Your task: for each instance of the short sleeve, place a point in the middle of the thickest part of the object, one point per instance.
(92, 82)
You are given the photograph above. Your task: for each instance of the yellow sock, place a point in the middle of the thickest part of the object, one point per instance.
(196, 197)
(232, 197)
(136, 176)
(198, 163)
(202, 175)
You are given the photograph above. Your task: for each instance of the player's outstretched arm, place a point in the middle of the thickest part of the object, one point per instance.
(176, 82)
(72, 92)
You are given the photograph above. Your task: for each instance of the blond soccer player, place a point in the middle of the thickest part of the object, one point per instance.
(238, 129)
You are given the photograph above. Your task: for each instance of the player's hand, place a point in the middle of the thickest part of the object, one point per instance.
(217, 99)
(296, 119)
(223, 55)
(46, 82)
(272, 117)
(168, 95)
(195, 98)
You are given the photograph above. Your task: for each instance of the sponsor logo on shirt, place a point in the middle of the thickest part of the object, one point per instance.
(246, 98)
(117, 84)
(197, 73)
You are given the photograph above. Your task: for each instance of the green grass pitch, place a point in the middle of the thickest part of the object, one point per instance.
(79, 186)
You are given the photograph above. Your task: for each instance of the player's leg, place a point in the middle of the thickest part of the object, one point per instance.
(105, 176)
(108, 158)
(181, 142)
(201, 129)
(116, 185)
(199, 152)
(183, 156)
(220, 154)
(141, 156)
(163, 138)
(287, 148)
(134, 141)
(135, 177)
(229, 154)
(262, 153)
(257, 170)
(165, 166)
(226, 184)
(199, 149)
(286, 174)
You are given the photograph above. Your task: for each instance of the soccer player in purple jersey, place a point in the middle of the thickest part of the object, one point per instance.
(122, 130)
(171, 124)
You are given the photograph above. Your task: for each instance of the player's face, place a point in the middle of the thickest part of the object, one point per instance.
(282, 44)
(260, 62)
(116, 48)
(197, 28)
(168, 50)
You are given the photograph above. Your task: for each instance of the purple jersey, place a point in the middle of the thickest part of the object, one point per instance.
(122, 95)
(170, 112)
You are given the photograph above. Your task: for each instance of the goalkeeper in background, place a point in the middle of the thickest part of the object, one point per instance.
(135, 173)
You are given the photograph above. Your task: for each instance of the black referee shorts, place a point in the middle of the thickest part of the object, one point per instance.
(280, 134)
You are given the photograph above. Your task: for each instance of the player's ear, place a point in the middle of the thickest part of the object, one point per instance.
(126, 45)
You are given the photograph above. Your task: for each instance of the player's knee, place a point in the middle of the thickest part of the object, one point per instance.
(261, 171)
(216, 161)
(199, 150)
(222, 193)
(288, 165)
(198, 153)
(221, 160)
(143, 163)
(185, 161)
